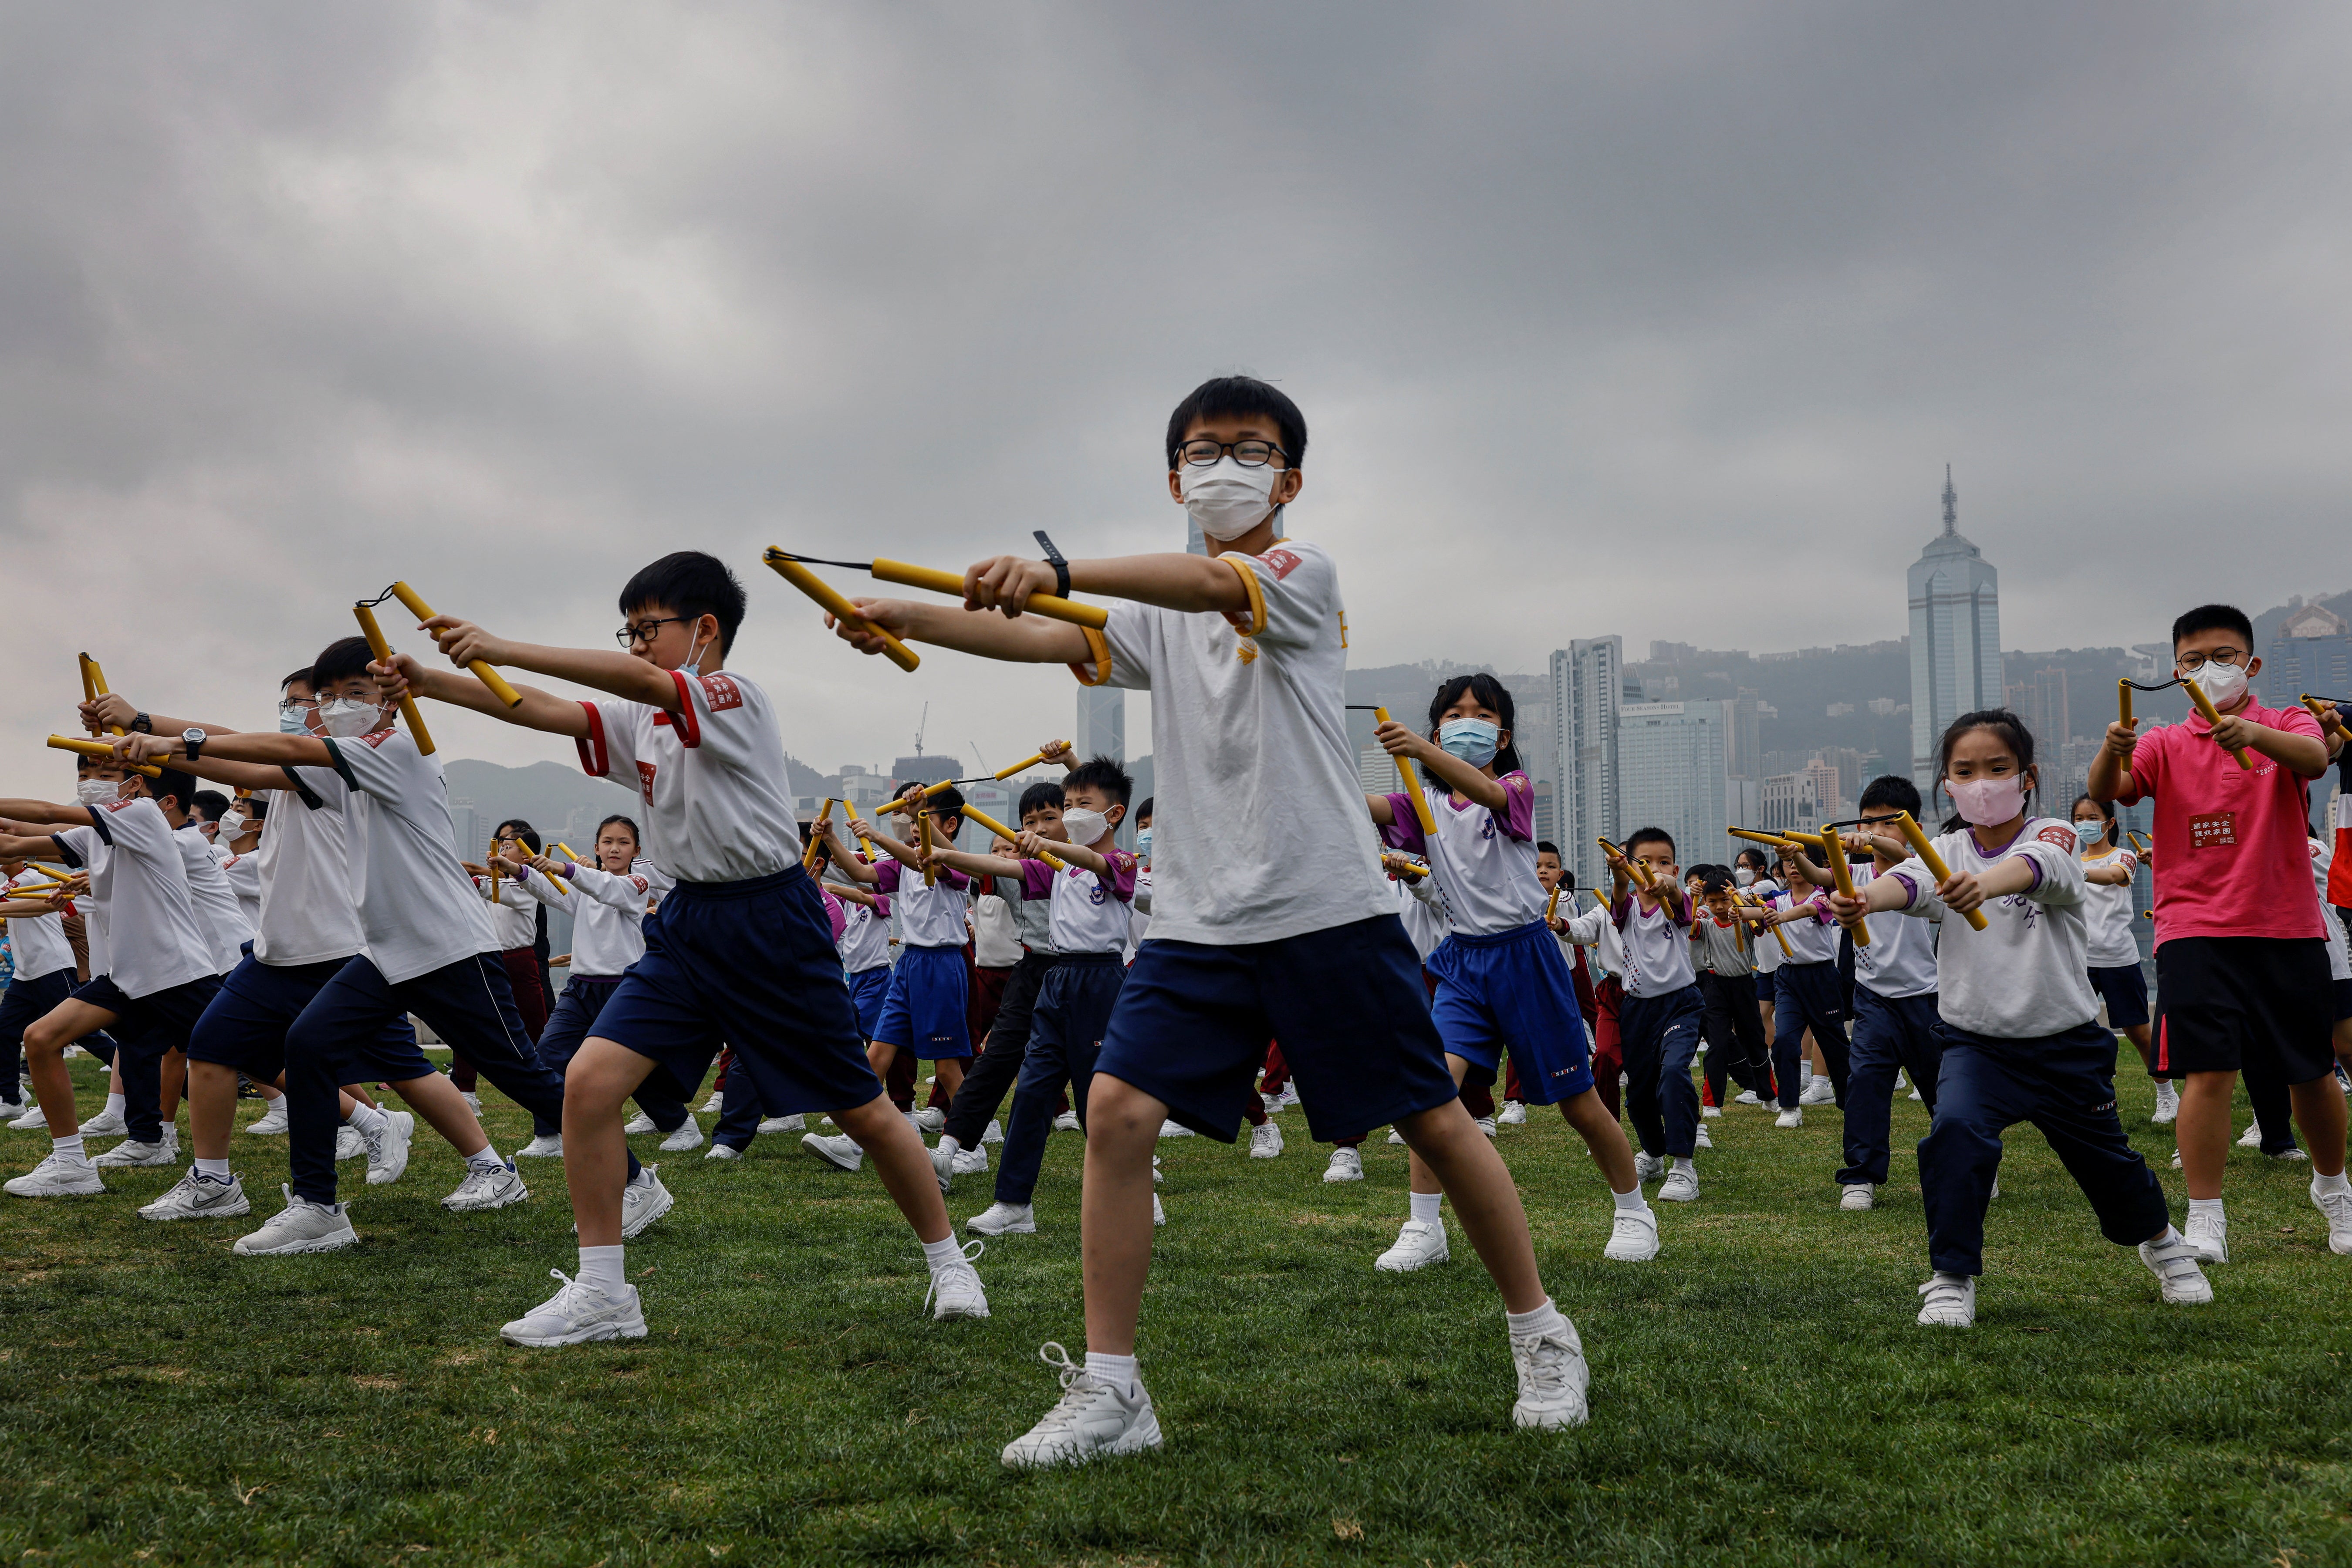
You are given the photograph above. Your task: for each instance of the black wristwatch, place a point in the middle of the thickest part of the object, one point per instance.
(192, 740)
(143, 724)
(1053, 558)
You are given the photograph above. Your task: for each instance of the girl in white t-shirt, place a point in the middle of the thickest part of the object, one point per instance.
(2113, 952)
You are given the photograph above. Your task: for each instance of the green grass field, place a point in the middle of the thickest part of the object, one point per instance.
(1761, 1393)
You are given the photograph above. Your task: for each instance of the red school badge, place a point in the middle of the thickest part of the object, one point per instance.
(645, 781)
(722, 692)
(2063, 837)
(1280, 561)
(2213, 830)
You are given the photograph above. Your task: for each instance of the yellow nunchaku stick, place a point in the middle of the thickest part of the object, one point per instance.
(1933, 861)
(1640, 872)
(1053, 607)
(901, 802)
(1409, 775)
(816, 836)
(1811, 840)
(831, 600)
(481, 668)
(993, 825)
(1753, 902)
(2123, 699)
(90, 747)
(923, 836)
(93, 686)
(1551, 906)
(1026, 763)
(382, 652)
(2213, 715)
(2325, 711)
(1774, 839)
(1834, 849)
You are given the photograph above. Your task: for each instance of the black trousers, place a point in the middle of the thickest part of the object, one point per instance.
(991, 1075)
(1734, 1026)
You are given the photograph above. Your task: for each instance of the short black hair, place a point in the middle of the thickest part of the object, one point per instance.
(693, 584)
(2212, 618)
(1714, 878)
(1891, 790)
(948, 803)
(1755, 859)
(1103, 773)
(1039, 796)
(1142, 811)
(1221, 396)
(210, 804)
(1650, 835)
(1545, 847)
(180, 787)
(302, 675)
(338, 661)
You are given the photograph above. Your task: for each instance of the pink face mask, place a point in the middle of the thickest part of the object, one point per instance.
(1986, 802)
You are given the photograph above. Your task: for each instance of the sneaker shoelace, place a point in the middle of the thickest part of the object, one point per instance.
(972, 1251)
(2335, 1205)
(1080, 1391)
(1549, 1358)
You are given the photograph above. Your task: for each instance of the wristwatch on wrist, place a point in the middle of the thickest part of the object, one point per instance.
(1053, 558)
(193, 739)
(142, 723)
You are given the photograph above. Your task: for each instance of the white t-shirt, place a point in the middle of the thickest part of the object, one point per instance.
(928, 915)
(418, 906)
(2026, 975)
(310, 913)
(1657, 945)
(514, 917)
(1484, 859)
(995, 933)
(712, 779)
(38, 942)
(244, 874)
(1899, 960)
(2107, 914)
(2340, 963)
(1257, 816)
(154, 940)
(1762, 948)
(1139, 919)
(218, 911)
(1813, 939)
(1595, 930)
(866, 937)
(1424, 913)
(608, 917)
(1088, 912)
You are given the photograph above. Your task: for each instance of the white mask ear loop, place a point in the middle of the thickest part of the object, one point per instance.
(693, 654)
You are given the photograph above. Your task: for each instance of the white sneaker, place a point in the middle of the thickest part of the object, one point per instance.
(639, 1124)
(546, 1146)
(2175, 1159)
(2174, 1264)
(955, 1290)
(1681, 1186)
(130, 1152)
(943, 1164)
(786, 1123)
(643, 1202)
(715, 1104)
(993, 1133)
(1820, 1092)
(301, 1226)
(1789, 1119)
(1553, 1379)
(1914, 1094)
(387, 1152)
(270, 1122)
(578, 1314)
(2208, 1237)
(35, 1120)
(493, 1189)
(1272, 1102)
(2337, 1206)
(1703, 1139)
(197, 1198)
(930, 1118)
(105, 1124)
(1648, 1167)
(1266, 1140)
(1709, 1112)
(473, 1100)
(1948, 1301)
(349, 1144)
(688, 1136)
(1159, 1215)
(970, 1161)
(2290, 1154)
(1632, 1237)
(1288, 1098)
(722, 1152)
(57, 1177)
(1172, 1129)
(1514, 1113)
(10, 1110)
(840, 1150)
(1005, 1219)
(1747, 1097)
(1858, 1196)
(1346, 1165)
(1417, 1245)
(1067, 1122)
(1486, 1125)
(2252, 1138)
(1396, 1139)
(1902, 1080)
(1091, 1420)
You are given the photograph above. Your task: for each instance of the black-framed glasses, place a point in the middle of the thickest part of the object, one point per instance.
(1203, 453)
(2226, 657)
(646, 629)
(291, 706)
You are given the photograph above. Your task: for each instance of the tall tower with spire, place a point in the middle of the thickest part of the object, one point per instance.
(1954, 637)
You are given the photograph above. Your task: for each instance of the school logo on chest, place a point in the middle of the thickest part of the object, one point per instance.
(645, 781)
(2213, 830)
(1245, 650)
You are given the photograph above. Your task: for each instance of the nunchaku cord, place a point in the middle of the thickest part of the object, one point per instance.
(821, 561)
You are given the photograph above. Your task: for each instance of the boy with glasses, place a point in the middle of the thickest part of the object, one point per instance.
(2242, 969)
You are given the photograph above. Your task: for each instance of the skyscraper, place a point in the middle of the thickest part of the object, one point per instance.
(1102, 723)
(1954, 637)
(1670, 763)
(1588, 689)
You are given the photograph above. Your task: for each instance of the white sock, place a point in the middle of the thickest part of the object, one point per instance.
(1683, 1163)
(949, 1145)
(2172, 1237)
(602, 1266)
(943, 1254)
(2322, 1184)
(488, 1160)
(1118, 1370)
(643, 1178)
(1633, 1202)
(2210, 1208)
(1544, 1319)
(70, 1148)
(213, 1170)
(1804, 1073)
(114, 1105)
(364, 1118)
(1425, 1206)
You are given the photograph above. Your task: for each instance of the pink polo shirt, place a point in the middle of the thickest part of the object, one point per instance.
(2230, 854)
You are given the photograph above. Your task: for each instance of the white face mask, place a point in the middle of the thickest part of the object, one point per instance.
(347, 717)
(1227, 499)
(98, 792)
(1085, 826)
(1743, 876)
(2223, 684)
(232, 825)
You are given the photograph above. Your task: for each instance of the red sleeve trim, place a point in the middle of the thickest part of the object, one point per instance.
(689, 728)
(594, 759)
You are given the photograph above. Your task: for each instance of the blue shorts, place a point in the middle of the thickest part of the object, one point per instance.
(1764, 985)
(169, 1015)
(752, 963)
(2123, 989)
(1512, 991)
(245, 1026)
(28, 1001)
(927, 1008)
(1346, 1003)
(576, 1015)
(1073, 1012)
(867, 987)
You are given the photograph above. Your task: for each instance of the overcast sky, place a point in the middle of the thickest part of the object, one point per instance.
(1654, 321)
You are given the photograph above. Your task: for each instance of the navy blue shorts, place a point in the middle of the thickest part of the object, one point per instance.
(2123, 989)
(28, 1001)
(1514, 992)
(245, 1026)
(574, 1017)
(752, 963)
(1075, 1002)
(867, 987)
(1346, 1003)
(928, 1005)
(1764, 985)
(169, 1015)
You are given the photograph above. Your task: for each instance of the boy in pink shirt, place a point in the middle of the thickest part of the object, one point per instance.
(2240, 951)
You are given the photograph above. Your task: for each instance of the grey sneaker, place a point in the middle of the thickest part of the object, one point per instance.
(131, 1153)
(578, 1314)
(57, 1177)
(1092, 1420)
(387, 1148)
(105, 1124)
(643, 1202)
(301, 1226)
(491, 1189)
(1553, 1378)
(837, 1151)
(199, 1197)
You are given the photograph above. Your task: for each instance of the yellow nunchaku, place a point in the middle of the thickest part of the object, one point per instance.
(90, 747)
(2212, 715)
(1409, 775)
(482, 670)
(923, 837)
(1833, 847)
(1933, 861)
(1774, 839)
(1640, 872)
(991, 825)
(1551, 906)
(932, 789)
(381, 650)
(2325, 711)
(830, 599)
(93, 686)
(816, 836)
(1753, 902)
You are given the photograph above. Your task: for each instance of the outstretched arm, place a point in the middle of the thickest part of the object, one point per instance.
(537, 711)
(241, 746)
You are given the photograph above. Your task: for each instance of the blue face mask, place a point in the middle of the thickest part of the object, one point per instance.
(292, 724)
(1472, 740)
(1143, 842)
